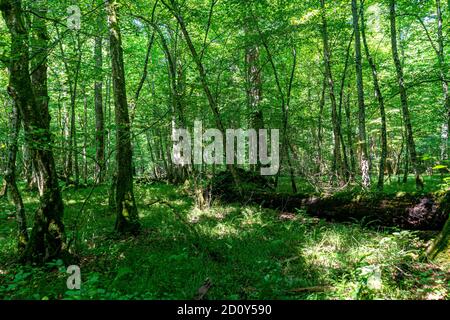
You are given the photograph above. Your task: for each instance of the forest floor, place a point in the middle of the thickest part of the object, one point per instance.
(247, 252)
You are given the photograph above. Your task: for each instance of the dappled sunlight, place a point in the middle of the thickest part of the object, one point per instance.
(248, 252)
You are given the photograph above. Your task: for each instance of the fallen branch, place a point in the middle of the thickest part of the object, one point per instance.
(311, 289)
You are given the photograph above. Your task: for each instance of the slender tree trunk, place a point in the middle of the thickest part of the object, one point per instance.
(38, 43)
(362, 139)
(108, 136)
(443, 72)
(99, 117)
(320, 127)
(71, 163)
(348, 118)
(174, 103)
(380, 98)
(403, 96)
(10, 178)
(341, 101)
(203, 79)
(254, 92)
(286, 123)
(152, 157)
(337, 158)
(68, 164)
(285, 103)
(47, 236)
(162, 155)
(85, 136)
(127, 214)
(73, 122)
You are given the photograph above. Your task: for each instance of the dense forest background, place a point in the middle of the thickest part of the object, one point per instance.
(92, 91)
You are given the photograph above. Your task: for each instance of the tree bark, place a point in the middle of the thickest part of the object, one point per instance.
(85, 135)
(127, 220)
(320, 164)
(10, 178)
(47, 236)
(348, 118)
(362, 139)
(337, 158)
(404, 96)
(254, 91)
(39, 39)
(443, 73)
(380, 99)
(348, 175)
(98, 101)
(38, 47)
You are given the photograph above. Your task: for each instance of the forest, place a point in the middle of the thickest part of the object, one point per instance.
(224, 150)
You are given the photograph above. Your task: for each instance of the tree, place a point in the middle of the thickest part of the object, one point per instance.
(47, 236)
(127, 220)
(98, 93)
(337, 158)
(362, 140)
(380, 98)
(403, 95)
(443, 74)
(10, 178)
(173, 8)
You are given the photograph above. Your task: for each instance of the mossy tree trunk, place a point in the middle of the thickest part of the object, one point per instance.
(127, 215)
(440, 248)
(10, 178)
(47, 236)
(409, 137)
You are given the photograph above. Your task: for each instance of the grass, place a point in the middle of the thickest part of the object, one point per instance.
(247, 252)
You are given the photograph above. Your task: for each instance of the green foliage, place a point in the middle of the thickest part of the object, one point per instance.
(247, 252)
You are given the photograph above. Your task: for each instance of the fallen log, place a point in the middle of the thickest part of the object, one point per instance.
(417, 211)
(406, 211)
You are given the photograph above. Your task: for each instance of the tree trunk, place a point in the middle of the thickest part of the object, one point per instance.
(71, 161)
(362, 139)
(203, 79)
(320, 128)
(441, 245)
(254, 92)
(337, 159)
(443, 73)
(348, 118)
(38, 43)
(47, 236)
(127, 220)
(152, 157)
(85, 136)
(380, 99)
(341, 101)
(99, 118)
(10, 178)
(403, 96)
